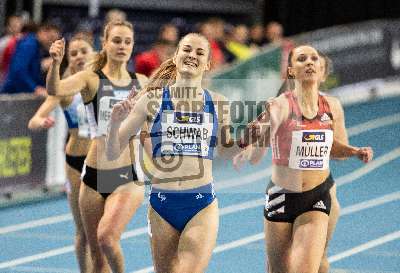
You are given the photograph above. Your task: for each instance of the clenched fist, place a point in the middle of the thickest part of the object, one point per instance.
(121, 110)
(57, 50)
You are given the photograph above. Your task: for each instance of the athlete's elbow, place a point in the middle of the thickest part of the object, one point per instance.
(31, 125)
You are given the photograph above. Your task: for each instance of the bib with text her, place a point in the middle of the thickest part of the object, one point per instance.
(310, 149)
(106, 104)
(83, 122)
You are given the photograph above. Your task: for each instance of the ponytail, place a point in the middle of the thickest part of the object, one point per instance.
(165, 75)
(99, 61)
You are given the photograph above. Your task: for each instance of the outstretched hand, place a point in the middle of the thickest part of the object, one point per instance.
(57, 50)
(121, 110)
(365, 154)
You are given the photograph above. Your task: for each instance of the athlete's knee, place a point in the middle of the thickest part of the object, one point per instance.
(107, 238)
(183, 265)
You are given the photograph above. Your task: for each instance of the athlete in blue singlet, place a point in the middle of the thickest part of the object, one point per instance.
(185, 122)
(79, 52)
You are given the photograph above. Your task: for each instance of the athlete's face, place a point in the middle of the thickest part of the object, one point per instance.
(119, 43)
(306, 64)
(79, 52)
(192, 56)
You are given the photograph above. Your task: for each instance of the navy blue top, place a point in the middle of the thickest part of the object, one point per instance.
(24, 74)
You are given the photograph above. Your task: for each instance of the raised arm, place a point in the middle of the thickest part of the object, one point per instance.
(260, 130)
(41, 119)
(127, 118)
(66, 87)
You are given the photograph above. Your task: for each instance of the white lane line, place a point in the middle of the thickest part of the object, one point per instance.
(128, 234)
(240, 242)
(374, 164)
(134, 232)
(36, 223)
(373, 124)
(36, 257)
(260, 236)
(352, 131)
(363, 247)
(43, 269)
(371, 203)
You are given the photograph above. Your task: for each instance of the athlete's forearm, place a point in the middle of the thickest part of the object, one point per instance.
(342, 150)
(113, 147)
(53, 79)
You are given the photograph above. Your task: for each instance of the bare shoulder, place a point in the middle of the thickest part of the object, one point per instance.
(143, 80)
(281, 101)
(334, 104)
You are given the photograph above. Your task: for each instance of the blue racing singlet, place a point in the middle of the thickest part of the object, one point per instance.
(184, 133)
(71, 112)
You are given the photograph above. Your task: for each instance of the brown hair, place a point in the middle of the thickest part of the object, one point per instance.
(84, 36)
(100, 59)
(165, 75)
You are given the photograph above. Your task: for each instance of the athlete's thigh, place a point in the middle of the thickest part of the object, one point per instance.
(91, 205)
(120, 206)
(333, 215)
(198, 240)
(164, 240)
(308, 241)
(278, 237)
(73, 195)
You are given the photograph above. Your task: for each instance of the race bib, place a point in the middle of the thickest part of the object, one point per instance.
(105, 108)
(83, 122)
(186, 133)
(310, 149)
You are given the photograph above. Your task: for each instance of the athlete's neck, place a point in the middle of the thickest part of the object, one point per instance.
(307, 94)
(192, 85)
(115, 70)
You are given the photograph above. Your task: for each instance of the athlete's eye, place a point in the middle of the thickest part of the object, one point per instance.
(302, 58)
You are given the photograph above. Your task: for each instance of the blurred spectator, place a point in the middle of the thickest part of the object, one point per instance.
(237, 43)
(25, 75)
(212, 31)
(12, 45)
(14, 25)
(115, 15)
(169, 32)
(274, 32)
(257, 38)
(146, 62)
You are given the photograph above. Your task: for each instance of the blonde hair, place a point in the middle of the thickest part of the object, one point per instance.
(165, 75)
(100, 59)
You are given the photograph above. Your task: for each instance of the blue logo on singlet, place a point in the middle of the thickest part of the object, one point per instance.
(311, 163)
(188, 118)
(313, 137)
(187, 147)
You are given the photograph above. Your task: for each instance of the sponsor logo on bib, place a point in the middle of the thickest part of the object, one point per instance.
(187, 147)
(313, 137)
(311, 163)
(188, 118)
